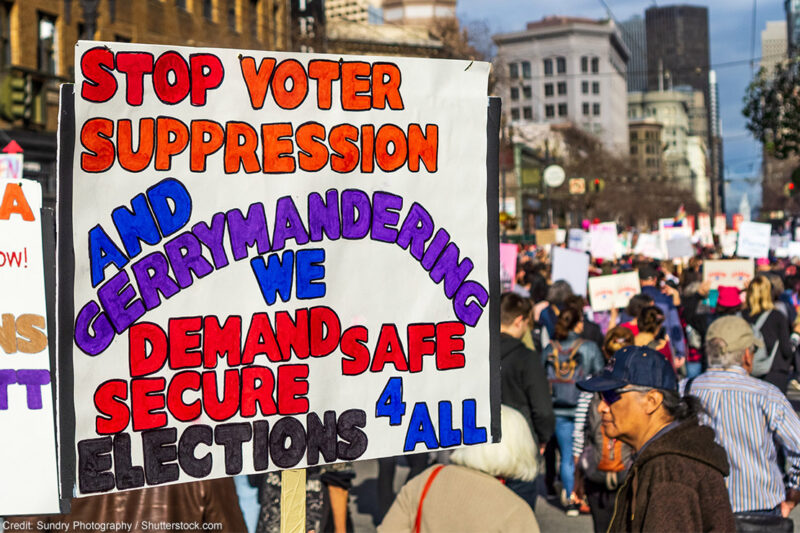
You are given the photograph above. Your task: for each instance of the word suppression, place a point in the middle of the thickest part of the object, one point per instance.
(166, 208)
(106, 463)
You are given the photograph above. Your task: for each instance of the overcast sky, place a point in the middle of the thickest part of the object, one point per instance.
(731, 25)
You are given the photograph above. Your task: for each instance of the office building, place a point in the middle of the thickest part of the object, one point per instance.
(774, 45)
(418, 12)
(792, 8)
(634, 34)
(366, 11)
(566, 69)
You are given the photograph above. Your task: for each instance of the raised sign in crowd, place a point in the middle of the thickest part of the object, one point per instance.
(273, 265)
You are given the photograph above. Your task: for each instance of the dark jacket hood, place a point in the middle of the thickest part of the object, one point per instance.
(508, 344)
(691, 440)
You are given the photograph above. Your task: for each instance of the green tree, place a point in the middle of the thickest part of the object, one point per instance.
(772, 109)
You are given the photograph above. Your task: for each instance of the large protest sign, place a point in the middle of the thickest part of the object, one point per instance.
(731, 272)
(572, 267)
(288, 261)
(28, 464)
(603, 243)
(753, 240)
(614, 291)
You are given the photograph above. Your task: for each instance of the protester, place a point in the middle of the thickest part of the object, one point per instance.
(667, 299)
(468, 495)
(557, 297)
(601, 463)
(568, 359)
(653, 335)
(523, 384)
(749, 417)
(629, 317)
(774, 328)
(591, 330)
(676, 481)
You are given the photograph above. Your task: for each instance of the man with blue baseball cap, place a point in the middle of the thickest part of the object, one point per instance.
(676, 482)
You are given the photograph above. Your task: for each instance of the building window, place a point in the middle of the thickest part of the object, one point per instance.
(584, 64)
(121, 38)
(526, 70)
(586, 109)
(595, 65)
(584, 87)
(254, 19)
(47, 43)
(208, 11)
(548, 89)
(527, 113)
(526, 92)
(513, 71)
(595, 109)
(634, 149)
(562, 88)
(548, 67)
(515, 114)
(561, 63)
(232, 15)
(562, 110)
(634, 137)
(514, 94)
(595, 87)
(180, 4)
(549, 111)
(5, 34)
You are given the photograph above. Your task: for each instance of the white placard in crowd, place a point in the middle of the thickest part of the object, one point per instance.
(28, 469)
(754, 240)
(603, 240)
(296, 274)
(727, 242)
(508, 265)
(793, 249)
(731, 272)
(572, 267)
(649, 245)
(679, 247)
(578, 240)
(614, 291)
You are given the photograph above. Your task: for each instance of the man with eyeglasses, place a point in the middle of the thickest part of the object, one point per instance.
(676, 482)
(749, 417)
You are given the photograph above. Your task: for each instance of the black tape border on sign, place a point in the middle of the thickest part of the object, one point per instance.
(65, 274)
(493, 241)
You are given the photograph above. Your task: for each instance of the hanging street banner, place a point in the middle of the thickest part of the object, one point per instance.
(281, 260)
(28, 464)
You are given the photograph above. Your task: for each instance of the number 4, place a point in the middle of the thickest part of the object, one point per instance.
(391, 402)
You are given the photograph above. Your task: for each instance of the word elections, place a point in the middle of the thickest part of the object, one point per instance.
(284, 148)
(166, 208)
(25, 334)
(165, 455)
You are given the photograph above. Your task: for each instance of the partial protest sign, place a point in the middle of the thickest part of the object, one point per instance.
(720, 224)
(731, 272)
(753, 240)
(614, 291)
(546, 236)
(11, 166)
(793, 249)
(603, 240)
(508, 265)
(577, 239)
(28, 465)
(727, 241)
(291, 268)
(679, 247)
(572, 267)
(649, 245)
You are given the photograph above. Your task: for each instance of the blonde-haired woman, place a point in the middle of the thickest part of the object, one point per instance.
(762, 315)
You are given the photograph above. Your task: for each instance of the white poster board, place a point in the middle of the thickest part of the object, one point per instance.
(679, 247)
(727, 241)
(508, 265)
(310, 229)
(754, 240)
(614, 291)
(572, 267)
(732, 272)
(603, 240)
(28, 468)
(793, 249)
(649, 245)
(577, 239)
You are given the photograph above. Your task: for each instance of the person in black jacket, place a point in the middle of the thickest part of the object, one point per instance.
(775, 330)
(523, 382)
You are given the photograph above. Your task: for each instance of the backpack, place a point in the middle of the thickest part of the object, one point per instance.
(564, 369)
(762, 359)
(604, 460)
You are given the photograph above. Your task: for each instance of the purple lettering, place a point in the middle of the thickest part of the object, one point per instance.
(417, 228)
(93, 331)
(152, 276)
(470, 313)
(188, 263)
(385, 207)
(355, 214)
(33, 381)
(324, 216)
(287, 224)
(211, 237)
(248, 231)
(117, 298)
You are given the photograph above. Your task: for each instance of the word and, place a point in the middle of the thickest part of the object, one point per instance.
(350, 214)
(286, 441)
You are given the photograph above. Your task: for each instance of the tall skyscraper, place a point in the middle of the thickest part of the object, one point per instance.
(792, 25)
(634, 34)
(774, 44)
(678, 53)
